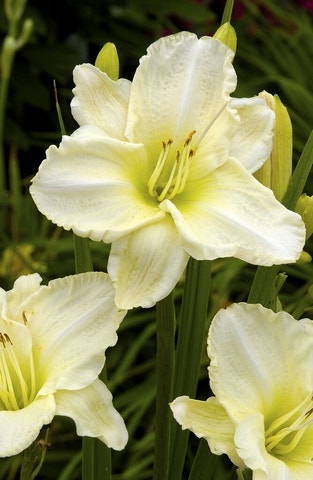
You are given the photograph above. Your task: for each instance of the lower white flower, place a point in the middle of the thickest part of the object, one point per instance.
(261, 375)
(52, 344)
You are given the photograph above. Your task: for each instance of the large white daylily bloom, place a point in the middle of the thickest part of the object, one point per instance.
(261, 374)
(161, 167)
(52, 344)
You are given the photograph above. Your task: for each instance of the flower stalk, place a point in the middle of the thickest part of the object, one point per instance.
(191, 335)
(165, 325)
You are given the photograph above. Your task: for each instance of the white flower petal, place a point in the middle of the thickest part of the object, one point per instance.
(250, 443)
(254, 364)
(92, 410)
(100, 101)
(90, 184)
(146, 265)
(252, 144)
(72, 321)
(231, 214)
(20, 428)
(23, 287)
(207, 420)
(180, 85)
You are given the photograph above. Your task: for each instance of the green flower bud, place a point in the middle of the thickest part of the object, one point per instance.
(227, 35)
(275, 173)
(14, 9)
(305, 208)
(7, 55)
(27, 29)
(107, 61)
(305, 257)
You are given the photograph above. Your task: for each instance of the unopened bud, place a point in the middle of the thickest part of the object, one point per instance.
(305, 208)
(305, 257)
(27, 29)
(227, 35)
(7, 55)
(107, 61)
(275, 173)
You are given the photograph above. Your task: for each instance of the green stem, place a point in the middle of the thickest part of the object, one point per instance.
(204, 463)
(165, 325)
(83, 260)
(33, 458)
(4, 86)
(96, 457)
(263, 283)
(191, 337)
(228, 10)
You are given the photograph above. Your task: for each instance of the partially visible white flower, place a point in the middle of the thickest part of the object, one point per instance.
(261, 375)
(52, 344)
(161, 168)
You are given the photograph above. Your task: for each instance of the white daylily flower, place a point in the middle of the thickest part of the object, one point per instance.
(161, 167)
(261, 375)
(52, 344)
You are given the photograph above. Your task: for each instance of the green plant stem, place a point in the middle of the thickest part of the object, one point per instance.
(4, 86)
(191, 338)
(263, 283)
(96, 459)
(204, 463)
(228, 10)
(165, 326)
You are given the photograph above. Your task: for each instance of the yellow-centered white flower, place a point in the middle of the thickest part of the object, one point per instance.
(52, 344)
(161, 168)
(261, 375)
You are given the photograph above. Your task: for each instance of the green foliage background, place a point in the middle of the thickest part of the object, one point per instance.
(275, 51)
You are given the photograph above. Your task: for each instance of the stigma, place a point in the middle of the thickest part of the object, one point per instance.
(169, 176)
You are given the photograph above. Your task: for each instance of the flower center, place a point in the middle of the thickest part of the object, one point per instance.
(171, 171)
(284, 434)
(16, 392)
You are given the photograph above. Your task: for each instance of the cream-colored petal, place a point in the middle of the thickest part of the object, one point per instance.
(250, 443)
(230, 214)
(92, 410)
(146, 265)
(72, 321)
(252, 144)
(180, 85)
(207, 420)
(23, 287)
(100, 101)
(299, 470)
(254, 364)
(213, 150)
(95, 186)
(20, 428)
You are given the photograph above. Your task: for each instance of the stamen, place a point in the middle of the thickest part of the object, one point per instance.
(15, 392)
(295, 430)
(159, 167)
(178, 167)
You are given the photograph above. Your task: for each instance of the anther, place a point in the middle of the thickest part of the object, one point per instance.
(189, 138)
(7, 338)
(24, 318)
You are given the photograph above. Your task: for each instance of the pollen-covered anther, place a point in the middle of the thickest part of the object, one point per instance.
(4, 338)
(24, 318)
